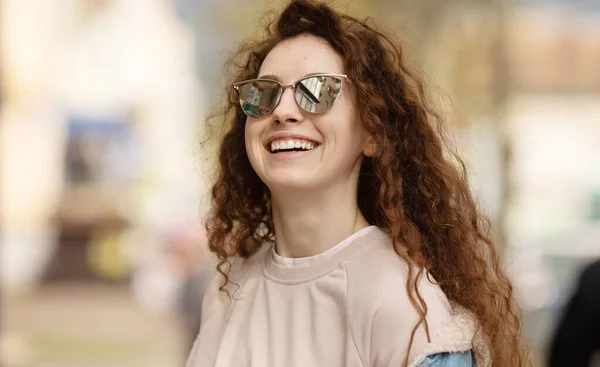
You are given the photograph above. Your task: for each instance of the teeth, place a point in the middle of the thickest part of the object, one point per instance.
(290, 144)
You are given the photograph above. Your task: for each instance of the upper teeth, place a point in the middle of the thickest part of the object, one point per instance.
(291, 144)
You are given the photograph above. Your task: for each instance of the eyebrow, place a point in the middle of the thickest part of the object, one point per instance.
(275, 77)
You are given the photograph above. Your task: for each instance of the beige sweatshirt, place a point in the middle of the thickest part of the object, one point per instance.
(349, 309)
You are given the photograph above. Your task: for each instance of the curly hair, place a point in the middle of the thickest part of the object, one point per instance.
(414, 187)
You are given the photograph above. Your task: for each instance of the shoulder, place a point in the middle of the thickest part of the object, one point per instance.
(378, 302)
(587, 290)
(240, 270)
(590, 277)
(380, 275)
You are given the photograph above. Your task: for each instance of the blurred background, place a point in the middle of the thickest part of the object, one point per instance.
(103, 183)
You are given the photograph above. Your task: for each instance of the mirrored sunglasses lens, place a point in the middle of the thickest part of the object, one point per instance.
(317, 94)
(258, 98)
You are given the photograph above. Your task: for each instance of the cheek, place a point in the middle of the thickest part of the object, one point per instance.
(347, 107)
(248, 137)
(250, 133)
(252, 138)
(346, 126)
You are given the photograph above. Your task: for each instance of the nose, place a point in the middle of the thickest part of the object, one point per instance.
(287, 110)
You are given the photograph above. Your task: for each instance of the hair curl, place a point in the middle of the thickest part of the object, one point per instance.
(414, 187)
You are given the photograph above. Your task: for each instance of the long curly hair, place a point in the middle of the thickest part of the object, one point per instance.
(414, 188)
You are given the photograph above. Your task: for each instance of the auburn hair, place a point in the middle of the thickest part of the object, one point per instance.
(414, 187)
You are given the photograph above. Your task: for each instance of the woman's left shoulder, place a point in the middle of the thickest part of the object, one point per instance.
(378, 300)
(377, 277)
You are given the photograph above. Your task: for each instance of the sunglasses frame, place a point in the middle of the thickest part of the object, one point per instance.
(282, 88)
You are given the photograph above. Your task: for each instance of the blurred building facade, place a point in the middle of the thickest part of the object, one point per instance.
(100, 126)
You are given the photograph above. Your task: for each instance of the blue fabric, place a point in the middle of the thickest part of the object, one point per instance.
(454, 359)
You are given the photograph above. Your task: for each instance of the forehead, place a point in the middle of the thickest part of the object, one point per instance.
(295, 57)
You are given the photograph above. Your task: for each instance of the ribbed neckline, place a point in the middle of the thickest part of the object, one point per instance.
(320, 268)
(303, 262)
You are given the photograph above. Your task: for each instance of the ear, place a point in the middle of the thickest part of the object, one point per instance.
(369, 147)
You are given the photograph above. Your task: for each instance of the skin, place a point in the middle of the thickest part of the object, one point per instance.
(313, 193)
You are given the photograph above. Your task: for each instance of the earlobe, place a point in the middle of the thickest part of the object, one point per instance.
(369, 149)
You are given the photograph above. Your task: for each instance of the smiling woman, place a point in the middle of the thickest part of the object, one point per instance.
(346, 234)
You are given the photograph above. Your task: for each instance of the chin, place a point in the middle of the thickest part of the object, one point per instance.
(291, 182)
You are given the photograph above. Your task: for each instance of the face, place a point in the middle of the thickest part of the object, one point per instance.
(337, 138)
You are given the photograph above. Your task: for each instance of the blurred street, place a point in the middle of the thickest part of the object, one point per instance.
(87, 325)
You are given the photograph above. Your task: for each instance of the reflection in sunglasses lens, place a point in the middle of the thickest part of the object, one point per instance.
(258, 98)
(317, 94)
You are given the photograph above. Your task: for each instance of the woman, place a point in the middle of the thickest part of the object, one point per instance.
(346, 235)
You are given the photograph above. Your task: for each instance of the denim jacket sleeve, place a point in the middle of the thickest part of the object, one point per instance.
(454, 359)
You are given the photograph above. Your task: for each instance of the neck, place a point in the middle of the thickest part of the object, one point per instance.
(307, 225)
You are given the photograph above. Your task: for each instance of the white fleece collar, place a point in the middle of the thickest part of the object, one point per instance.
(459, 335)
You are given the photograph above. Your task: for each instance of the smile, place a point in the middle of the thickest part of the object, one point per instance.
(291, 145)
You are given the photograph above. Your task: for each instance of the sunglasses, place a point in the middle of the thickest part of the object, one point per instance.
(315, 93)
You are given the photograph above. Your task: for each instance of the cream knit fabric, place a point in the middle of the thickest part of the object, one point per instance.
(350, 309)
